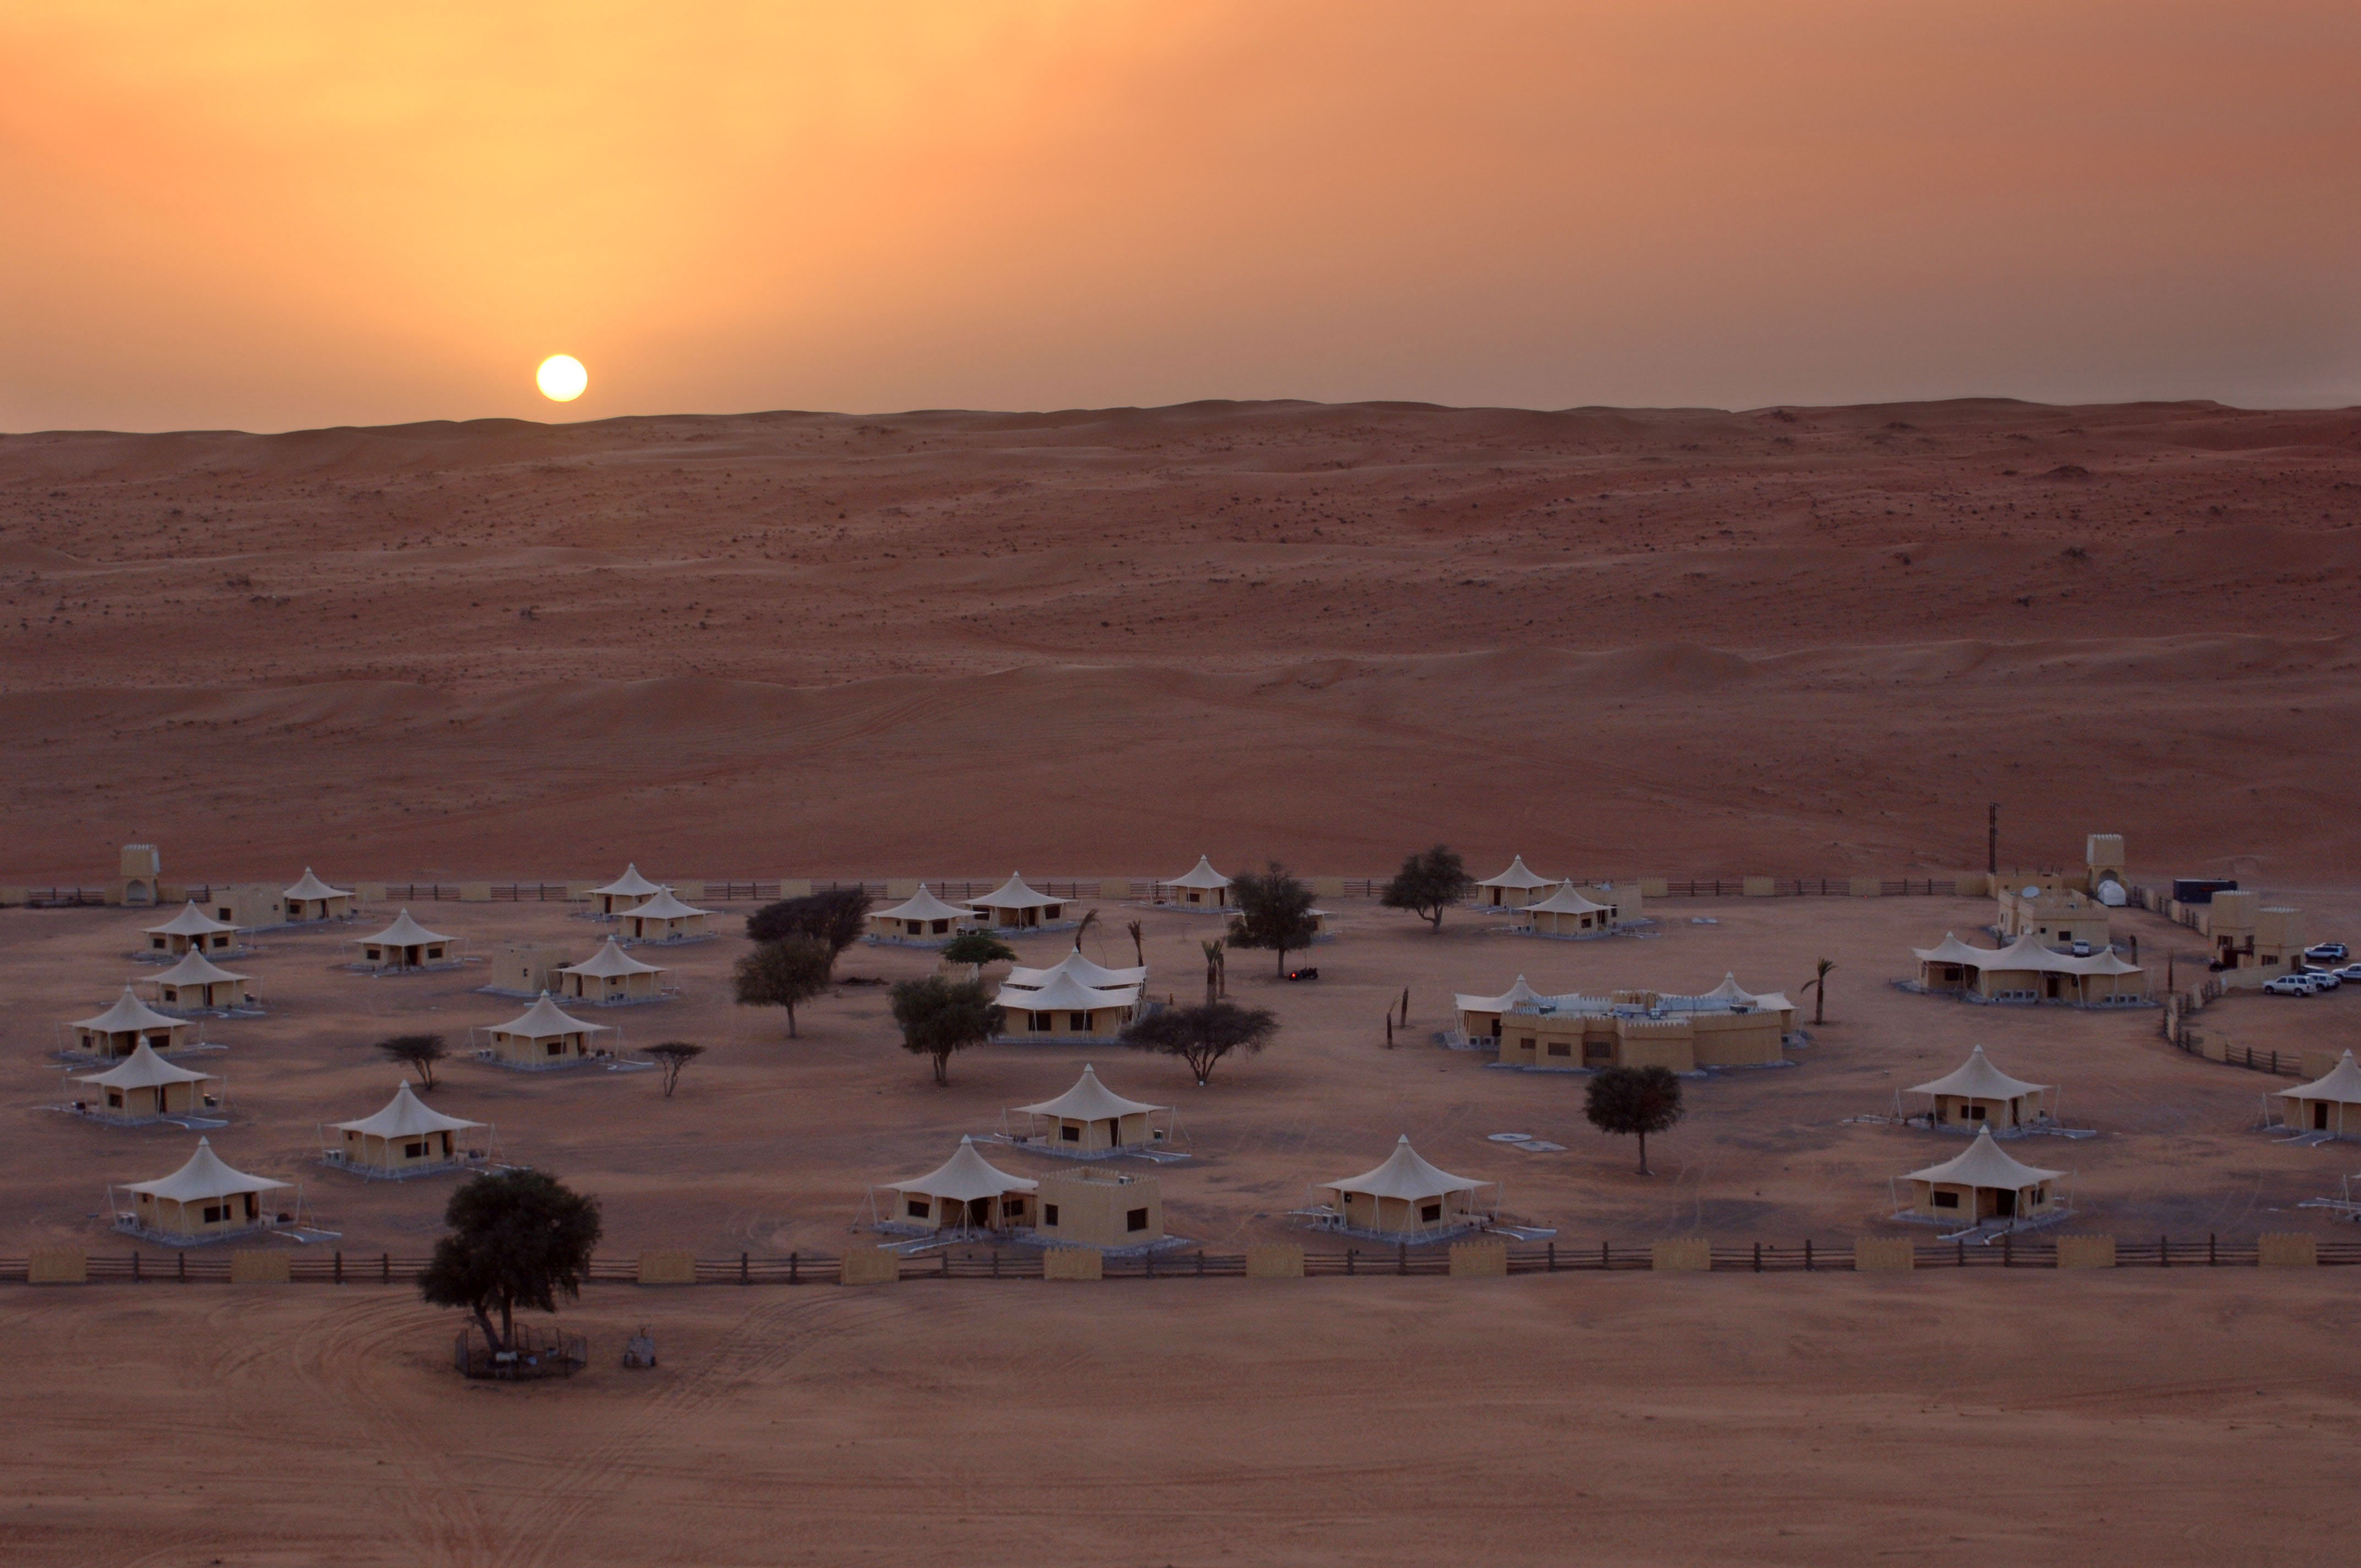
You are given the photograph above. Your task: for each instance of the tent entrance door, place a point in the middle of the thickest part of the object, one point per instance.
(2004, 1204)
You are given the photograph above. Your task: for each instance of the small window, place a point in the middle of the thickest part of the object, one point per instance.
(918, 1208)
(1430, 1213)
(156, 943)
(941, 927)
(1560, 1049)
(1070, 1135)
(1041, 1023)
(1081, 1023)
(1136, 1219)
(1049, 1215)
(555, 1048)
(1947, 1200)
(1053, 912)
(413, 1150)
(223, 917)
(215, 1214)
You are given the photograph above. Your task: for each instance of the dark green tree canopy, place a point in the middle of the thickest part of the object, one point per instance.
(1203, 1034)
(517, 1238)
(784, 973)
(978, 948)
(938, 1015)
(1274, 911)
(836, 918)
(1429, 882)
(1634, 1101)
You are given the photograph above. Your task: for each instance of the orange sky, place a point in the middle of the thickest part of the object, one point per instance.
(276, 215)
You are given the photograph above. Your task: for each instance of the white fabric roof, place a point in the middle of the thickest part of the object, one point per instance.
(664, 906)
(2025, 955)
(543, 1020)
(1095, 975)
(1202, 874)
(312, 887)
(1952, 950)
(1064, 992)
(1566, 900)
(2343, 1083)
(203, 1177)
(1405, 1175)
(191, 921)
(405, 933)
(609, 959)
(1014, 895)
(1517, 875)
(965, 1176)
(1507, 999)
(1978, 1078)
(128, 1013)
(1090, 1101)
(1728, 990)
(405, 1115)
(630, 885)
(195, 968)
(1985, 1164)
(143, 1068)
(925, 905)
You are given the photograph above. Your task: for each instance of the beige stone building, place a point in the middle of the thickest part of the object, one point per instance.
(128, 1025)
(406, 945)
(665, 918)
(611, 974)
(2025, 971)
(1406, 1198)
(1514, 888)
(1727, 1027)
(544, 1035)
(2055, 917)
(1199, 887)
(197, 985)
(2252, 941)
(310, 900)
(528, 969)
(2331, 1104)
(1091, 1121)
(144, 1087)
(192, 931)
(1984, 1188)
(964, 1195)
(138, 877)
(1111, 1211)
(1978, 1094)
(407, 1138)
(921, 920)
(205, 1200)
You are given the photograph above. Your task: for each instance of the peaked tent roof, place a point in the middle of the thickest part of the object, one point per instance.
(203, 1177)
(1064, 992)
(405, 1115)
(924, 905)
(1202, 874)
(965, 1176)
(1090, 1101)
(2343, 1083)
(1095, 975)
(663, 905)
(630, 885)
(1952, 950)
(1519, 993)
(191, 921)
(1405, 1175)
(1978, 1077)
(1519, 874)
(143, 1068)
(127, 1014)
(195, 968)
(1986, 1163)
(543, 1019)
(609, 959)
(1014, 895)
(1728, 990)
(312, 887)
(1565, 901)
(404, 933)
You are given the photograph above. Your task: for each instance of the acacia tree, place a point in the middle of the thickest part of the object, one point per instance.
(836, 918)
(1274, 911)
(419, 1052)
(672, 1055)
(784, 973)
(1428, 883)
(1634, 1101)
(1202, 1035)
(1818, 986)
(977, 948)
(518, 1238)
(938, 1016)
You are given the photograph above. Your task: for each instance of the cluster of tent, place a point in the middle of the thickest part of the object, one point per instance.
(2025, 970)
(650, 911)
(1073, 999)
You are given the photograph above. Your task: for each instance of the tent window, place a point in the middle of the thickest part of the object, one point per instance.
(917, 1207)
(1070, 1135)
(413, 1150)
(1430, 1213)
(1136, 1219)
(156, 943)
(1947, 1200)
(215, 1214)
(1081, 1023)
(1048, 1214)
(941, 927)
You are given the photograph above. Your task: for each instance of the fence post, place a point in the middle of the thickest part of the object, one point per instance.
(181, 1262)
(1552, 1259)
(385, 1268)
(134, 1266)
(1201, 1261)
(791, 1268)
(1963, 1254)
(1807, 1254)
(2164, 1252)
(2008, 1249)
(2211, 1261)
(340, 1268)
(946, 1271)
(1603, 1262)
(1757, 1257)
(1349, 1255)
(995, 1263)
(742, 1269)
(1401, 1250)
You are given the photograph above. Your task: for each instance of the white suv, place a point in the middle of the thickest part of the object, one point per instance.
(2287, 985)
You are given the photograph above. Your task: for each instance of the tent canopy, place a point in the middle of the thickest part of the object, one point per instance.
(545, 1020)
(925, 905)
(1986, 1163)
(191, 921)
(1952, 950)
(663, 905)
(1202, 874)
(1506, 1001)
(1090, 1101)
(405, 1115)
(404, 933)
(610, 961)
(195, 968)
(1096, 976)
(1405, 1175)
(1014, 895)
(1519, 876)
(1065, 993)
(630, 885)
(1978, 1078)
(203, 1177)
(310, 888)
(128, 1014)
(1566, 900)
(964, 1177)
(143, 1068)
(2341, 1084)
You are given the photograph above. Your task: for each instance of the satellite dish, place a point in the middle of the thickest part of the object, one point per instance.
(2033, 893)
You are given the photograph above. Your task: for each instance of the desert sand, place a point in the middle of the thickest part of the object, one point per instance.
(1795, 642)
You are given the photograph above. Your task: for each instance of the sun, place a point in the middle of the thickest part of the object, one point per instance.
(562, 378)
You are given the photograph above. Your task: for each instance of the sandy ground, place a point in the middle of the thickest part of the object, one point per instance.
(1688, 641)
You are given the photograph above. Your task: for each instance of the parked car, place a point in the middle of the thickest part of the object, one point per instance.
(2321, 979)
(2287, 985)
(2081, 949)
(2328, 952)
(2350, 971)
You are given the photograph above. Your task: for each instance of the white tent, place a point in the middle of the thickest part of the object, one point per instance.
(1512, 887)
(1983, 1184)
(1508, 1001)
(1976, 1092)
(405, 944)
(1091, 1118)
(1567, 900)
(203, 1199)
(127, 1024)
(965, 1192)
(1013, 903)
(191, 930)
(542, 1035)
(312, 899)
(1064, 1005)
(919, 915)
(664, 918)
(624, 890)
(1096, 976)
(196, 982)
(2324, 1104)
(1202, 884)
(144, 1085)
(407, 1135)
(611, 974)
(1407, 1196)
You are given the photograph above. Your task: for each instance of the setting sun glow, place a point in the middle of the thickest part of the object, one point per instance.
(562, 378)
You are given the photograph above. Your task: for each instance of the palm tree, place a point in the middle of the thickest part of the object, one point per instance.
(1139, 948)
(1212, 971)
(1820, 987)
(1089, 918)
